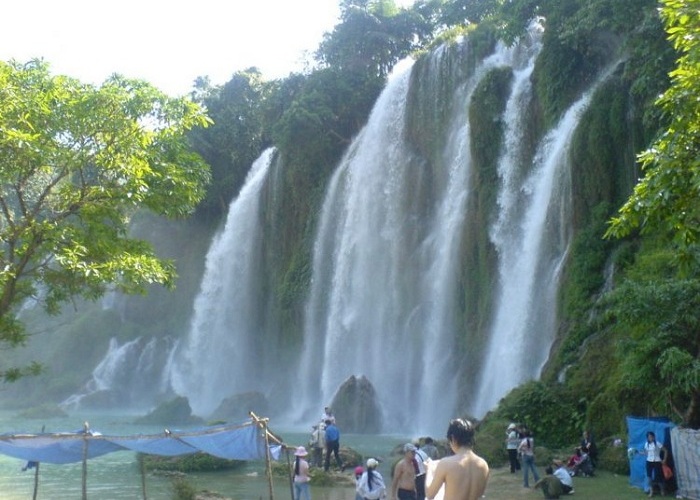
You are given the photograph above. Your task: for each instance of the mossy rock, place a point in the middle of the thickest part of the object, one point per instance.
(195, 462)
(174, 412)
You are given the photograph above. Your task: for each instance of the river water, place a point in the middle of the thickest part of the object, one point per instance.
(116, 476)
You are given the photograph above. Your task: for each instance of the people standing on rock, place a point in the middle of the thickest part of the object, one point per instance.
(430, 449)
(332, 446)
(421, 458)
(328, 415)
(512, 442)
(527, 451)
(371, 484)
(464, 474)
(403, 484)
(301, 475)
(317, 443)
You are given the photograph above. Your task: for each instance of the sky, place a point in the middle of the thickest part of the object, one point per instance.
(168, 43)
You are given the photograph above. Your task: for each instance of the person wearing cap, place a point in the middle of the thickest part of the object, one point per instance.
(318, 444)
(464, 475)
(512, 442)
(371, 484)
(403, 486)
(301, 475)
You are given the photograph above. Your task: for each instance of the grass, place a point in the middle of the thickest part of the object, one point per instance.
(604, 485)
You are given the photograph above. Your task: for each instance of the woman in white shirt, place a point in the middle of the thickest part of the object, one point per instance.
(654, 472)
(371, 485)
(301, 475)
(527, 451)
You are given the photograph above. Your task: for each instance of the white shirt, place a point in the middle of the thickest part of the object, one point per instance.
(564, 476)
(653, 450)
(421, 458)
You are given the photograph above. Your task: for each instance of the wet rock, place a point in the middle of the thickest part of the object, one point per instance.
(356, 408)
(237, 407)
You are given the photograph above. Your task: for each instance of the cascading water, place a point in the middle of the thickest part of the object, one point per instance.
(532, 238)
(388, 259)
(218, 357)
(384, 297)
(137, 363)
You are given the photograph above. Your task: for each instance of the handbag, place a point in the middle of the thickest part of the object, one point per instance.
(667, 471)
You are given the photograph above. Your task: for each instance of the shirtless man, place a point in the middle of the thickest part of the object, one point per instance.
(464, 474)
(403, 486)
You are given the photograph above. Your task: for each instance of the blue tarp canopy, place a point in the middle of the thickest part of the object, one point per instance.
(245, 441)
(637, 428)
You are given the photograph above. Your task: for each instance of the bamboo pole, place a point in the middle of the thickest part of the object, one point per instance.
(291, 475)
(36, 473)
(143, 476)
(36, 482)
(86, 428)
(262, 423)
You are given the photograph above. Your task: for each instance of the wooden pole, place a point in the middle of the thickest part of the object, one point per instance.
(268, 461)
(262, 422)
(291, 475)
(36, 473)
(86, 428)
(143, 476)
(36, 482)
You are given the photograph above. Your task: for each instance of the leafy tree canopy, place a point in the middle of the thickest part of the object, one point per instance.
(231, 145)
(665, 200)
(76, 161)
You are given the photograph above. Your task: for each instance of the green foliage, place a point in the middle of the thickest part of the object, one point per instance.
(195, 462)
(613, 459)
(372, 37)
(660, 357)
(235, 140)
(666, 198)
(76, 162)
(182, 490)
(543, 408)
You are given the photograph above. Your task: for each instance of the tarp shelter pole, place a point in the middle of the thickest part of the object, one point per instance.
(143, 476)
(36, 481)
(262, 422)
(36, 473)
(86, 428)
(291, 476)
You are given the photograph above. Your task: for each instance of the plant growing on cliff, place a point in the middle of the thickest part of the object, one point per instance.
(76, 161)
(665, 200)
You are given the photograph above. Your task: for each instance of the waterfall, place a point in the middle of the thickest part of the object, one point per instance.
(133, 364)
(532, 238)
(218, 358)
(383, 302)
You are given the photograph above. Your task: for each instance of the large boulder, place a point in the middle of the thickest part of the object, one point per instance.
(237, 408)
(356, 408)
(174, 412)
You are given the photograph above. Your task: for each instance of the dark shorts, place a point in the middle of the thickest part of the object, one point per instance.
(406, 494)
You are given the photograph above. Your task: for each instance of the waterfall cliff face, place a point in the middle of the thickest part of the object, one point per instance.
(393, 282)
